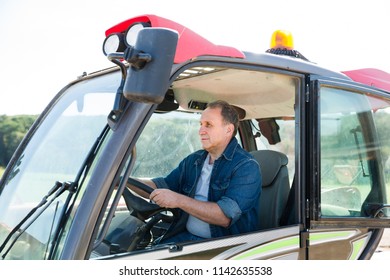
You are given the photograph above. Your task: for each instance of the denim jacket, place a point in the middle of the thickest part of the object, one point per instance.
(235, 185)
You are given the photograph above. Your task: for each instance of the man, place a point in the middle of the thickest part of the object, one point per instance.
(216, 188)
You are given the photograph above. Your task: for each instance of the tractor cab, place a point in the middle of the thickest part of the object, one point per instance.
(319, 136)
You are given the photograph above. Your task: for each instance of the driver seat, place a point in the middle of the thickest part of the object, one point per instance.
(275, 184)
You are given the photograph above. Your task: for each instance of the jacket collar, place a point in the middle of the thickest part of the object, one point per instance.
(228, 153)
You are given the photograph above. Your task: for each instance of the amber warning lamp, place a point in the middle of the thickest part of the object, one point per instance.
(282, 43)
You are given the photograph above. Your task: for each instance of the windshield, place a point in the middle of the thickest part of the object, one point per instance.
(56, 152)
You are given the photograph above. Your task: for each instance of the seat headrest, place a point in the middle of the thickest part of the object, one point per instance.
(270, 163)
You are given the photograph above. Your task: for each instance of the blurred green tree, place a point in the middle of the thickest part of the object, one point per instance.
(12, 131)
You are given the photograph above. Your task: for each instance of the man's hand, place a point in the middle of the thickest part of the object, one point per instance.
(208, 212)
(165, 198)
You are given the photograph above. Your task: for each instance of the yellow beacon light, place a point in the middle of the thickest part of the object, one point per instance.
(282, 39)
(282, 44)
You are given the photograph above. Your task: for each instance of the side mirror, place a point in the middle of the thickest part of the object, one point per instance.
(151, 62)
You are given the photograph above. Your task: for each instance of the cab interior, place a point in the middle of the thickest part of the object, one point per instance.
(265, 101)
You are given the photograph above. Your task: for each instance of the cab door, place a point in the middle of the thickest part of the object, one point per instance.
(348, 169)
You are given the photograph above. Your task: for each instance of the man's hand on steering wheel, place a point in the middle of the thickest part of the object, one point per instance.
(165, 198)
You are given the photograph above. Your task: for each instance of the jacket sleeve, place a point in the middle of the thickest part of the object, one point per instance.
(243, 191)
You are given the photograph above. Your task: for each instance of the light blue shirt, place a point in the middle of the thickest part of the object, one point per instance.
(194, 225)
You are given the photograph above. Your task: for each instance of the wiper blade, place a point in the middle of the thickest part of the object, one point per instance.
(55, 191)
(79, 181)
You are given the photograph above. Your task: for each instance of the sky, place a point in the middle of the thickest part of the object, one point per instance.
(46, 44)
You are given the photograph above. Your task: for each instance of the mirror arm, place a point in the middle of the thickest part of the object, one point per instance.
(120, 101)
(136, 58)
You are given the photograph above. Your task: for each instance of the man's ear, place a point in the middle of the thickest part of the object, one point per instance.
(230, 128)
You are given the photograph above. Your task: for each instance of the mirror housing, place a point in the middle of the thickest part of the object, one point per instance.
(151, 62)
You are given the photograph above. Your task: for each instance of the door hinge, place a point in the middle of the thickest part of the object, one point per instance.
(304, 240)
(307, 95)
(307, 209)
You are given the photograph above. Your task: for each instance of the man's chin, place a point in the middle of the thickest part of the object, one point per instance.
(205, 147)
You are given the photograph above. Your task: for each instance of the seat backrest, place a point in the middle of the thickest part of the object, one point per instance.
(276, 186)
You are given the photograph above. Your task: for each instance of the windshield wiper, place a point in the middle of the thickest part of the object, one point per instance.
(79, 181)
(58, 189)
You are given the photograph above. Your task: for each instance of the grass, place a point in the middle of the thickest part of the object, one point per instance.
(1, 171)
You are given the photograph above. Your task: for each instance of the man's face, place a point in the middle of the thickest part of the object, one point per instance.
(214, 133)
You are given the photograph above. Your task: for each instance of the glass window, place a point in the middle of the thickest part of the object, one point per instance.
(381, 115)
(354, 152)
(56, 152)
(168, 138)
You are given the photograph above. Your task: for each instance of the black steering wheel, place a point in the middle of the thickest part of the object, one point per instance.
(143, 209)
(140, 185)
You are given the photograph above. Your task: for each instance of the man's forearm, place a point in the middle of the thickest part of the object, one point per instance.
(209, 212)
